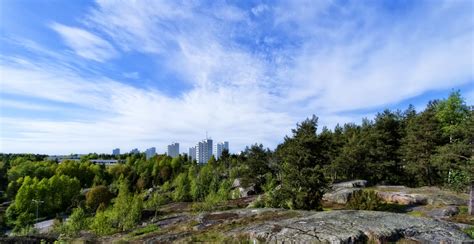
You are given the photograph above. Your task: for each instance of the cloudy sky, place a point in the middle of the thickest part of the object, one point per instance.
(89, 76)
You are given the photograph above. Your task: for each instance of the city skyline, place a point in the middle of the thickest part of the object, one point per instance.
(89, 76)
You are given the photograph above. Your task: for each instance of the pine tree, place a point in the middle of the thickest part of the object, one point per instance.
(303, 182)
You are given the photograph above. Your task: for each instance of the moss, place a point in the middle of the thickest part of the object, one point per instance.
(469, 231)
(144, 230)
(417, 213)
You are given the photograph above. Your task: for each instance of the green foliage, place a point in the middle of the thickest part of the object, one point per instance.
(469, 231)
(303, 182)
(103, 223)
(181, 188)
(459, 180)
(365, 200)
(257, 164)
(77, 221)
(98, 195)
(451, 113)
(127, 208)
(55, 195)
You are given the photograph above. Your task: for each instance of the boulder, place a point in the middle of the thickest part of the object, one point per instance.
(402, 198)
(352, 226)
(247, 191)
(340, 195)
(443, 212)
(236, 183)
(350, 184)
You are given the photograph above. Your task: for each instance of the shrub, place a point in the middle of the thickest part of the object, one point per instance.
(458, 180)
(97, 196)
(365, 200)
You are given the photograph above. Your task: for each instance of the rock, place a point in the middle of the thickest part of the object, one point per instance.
(349, 226)
(236, 183)
(350, 184)
(248, 191)
(443, 212)
(445, 199)
(402, 198)
(340, 195)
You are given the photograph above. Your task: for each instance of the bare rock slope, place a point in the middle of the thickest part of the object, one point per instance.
(350, 226)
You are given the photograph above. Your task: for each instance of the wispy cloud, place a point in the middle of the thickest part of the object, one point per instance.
(85, 43)
(254, 71)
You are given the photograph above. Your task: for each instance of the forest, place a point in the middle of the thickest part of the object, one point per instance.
(432, 147)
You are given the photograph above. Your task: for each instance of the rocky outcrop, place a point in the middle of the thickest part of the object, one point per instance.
(340, 195)
(342, 192)
(350, 184)
(443, 212)
(403, 198)
(350, 226)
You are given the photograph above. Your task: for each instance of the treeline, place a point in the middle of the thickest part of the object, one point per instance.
(414, 148)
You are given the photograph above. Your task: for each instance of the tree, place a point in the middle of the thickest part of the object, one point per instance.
(98, 195)
(303, 182)
(256, 162)
(422, 136)
(182, 188)
(451, 113)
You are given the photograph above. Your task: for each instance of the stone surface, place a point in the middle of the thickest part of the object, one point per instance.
(340, 195)
(236, 183)
(350, 184)
(349, 226)
(402, 198)
(471, 200)
(443, 212)
(247, 191)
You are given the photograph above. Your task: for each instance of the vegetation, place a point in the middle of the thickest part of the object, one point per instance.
(429, 147)
(365, 200)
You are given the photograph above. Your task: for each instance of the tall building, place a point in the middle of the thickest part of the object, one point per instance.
(150, 152)
(192, 153)
(204, 151)
(116, 152)
(220, 147)
(173, 150)
(135, 151)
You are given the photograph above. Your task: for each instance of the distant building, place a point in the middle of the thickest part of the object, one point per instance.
(192, 153)
(106, 162)
(173, 150)
(135, 151)
(150, 152)
(220, 147)
(204, 151)
(116, 152)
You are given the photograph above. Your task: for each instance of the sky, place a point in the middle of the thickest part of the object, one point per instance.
(89, 76)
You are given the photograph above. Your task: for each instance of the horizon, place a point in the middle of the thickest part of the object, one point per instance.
(91, 76)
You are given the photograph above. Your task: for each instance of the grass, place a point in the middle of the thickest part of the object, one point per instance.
(145, 230)
(417, 213)
(469, 231)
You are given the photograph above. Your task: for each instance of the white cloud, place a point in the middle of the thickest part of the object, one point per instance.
(259, 9)
(85, 43)
(133, 117)
(324, 59)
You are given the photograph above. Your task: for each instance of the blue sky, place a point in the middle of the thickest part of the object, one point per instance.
(88, 76)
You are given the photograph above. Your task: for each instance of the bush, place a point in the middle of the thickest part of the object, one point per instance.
(365, 200)
(102, 223)
(77, 221)
(97, 196)
(458, 180)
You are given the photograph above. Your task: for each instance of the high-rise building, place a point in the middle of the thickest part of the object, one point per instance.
(135, 151)
(173, 150)
(204, 151)
(150, 152)
(220, 147)
(116, 152)
(192, 153)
